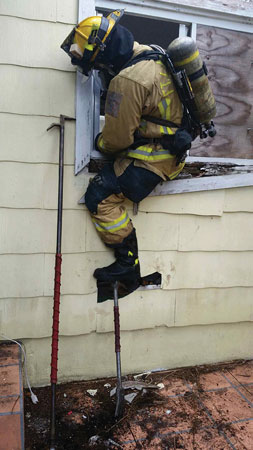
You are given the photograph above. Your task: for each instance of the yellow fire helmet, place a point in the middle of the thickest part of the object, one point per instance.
(88, 38)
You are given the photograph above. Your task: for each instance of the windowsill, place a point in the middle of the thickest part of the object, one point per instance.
(204, 174)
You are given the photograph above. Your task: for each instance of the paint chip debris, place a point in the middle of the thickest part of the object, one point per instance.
(92, 392)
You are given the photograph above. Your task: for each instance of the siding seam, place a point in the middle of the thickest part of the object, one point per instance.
(84, 294)
(141, 251)
(29, 115)
(36, 163)
(38, 20)
(37, 67)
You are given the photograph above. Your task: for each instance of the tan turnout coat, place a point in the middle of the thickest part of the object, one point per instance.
(144, 88)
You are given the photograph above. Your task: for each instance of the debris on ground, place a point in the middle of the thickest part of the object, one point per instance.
(200, 407)
(142, 375)
(92, 392)
(130, 397)
(138, 385)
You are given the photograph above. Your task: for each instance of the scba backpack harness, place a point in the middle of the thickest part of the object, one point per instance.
(183, 62)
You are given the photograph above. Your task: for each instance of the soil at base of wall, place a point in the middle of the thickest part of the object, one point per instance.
(82, 417)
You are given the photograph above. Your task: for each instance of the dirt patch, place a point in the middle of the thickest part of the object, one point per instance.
(172, 417)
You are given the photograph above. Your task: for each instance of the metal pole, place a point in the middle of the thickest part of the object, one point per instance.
(57, 280)
(119, 389)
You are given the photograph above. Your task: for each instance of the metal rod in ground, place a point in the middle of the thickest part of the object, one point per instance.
(57, 280)
(119, 390)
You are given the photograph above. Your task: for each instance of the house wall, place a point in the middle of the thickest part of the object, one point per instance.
(201, 242)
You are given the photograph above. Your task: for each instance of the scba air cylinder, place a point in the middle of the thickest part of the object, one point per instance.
(185, 55)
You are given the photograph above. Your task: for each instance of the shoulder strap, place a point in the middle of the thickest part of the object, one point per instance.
(144, 56)
(163, 122)
(148, 55)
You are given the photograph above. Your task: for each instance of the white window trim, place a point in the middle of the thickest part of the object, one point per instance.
(240, 21)
(185, 15)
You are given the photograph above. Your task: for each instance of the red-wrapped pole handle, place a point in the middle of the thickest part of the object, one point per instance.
(117, 329)
(56, 316)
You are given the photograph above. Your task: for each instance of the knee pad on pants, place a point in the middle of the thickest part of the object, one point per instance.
(103, 185)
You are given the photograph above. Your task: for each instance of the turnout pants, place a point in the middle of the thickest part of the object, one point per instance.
(105, 196)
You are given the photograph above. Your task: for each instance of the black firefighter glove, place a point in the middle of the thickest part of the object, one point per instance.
(181, 143)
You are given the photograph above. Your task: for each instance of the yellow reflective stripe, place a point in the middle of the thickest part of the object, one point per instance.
(164, 108)
(164, 74)
(175, 174)
(114, 222)
(101, 142)
(148, 154)
(187, 60)
(161, 109)
(167, 111)
(113, 226)
(159, 62)
(166, 84)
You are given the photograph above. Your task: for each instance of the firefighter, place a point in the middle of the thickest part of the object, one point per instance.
(140, 150)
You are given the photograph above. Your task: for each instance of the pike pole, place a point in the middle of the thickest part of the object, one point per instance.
(57, 279)
(119, 389)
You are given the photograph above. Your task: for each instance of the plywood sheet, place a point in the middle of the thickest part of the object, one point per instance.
(233, 6)
(228, 56)
(41, 92)
(33, 50)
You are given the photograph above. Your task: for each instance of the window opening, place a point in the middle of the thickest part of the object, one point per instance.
(191, 27)
(145, 31)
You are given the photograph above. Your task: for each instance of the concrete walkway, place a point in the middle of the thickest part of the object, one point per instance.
(11, 398)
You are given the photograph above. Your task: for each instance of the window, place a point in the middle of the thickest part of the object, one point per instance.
(225, 44)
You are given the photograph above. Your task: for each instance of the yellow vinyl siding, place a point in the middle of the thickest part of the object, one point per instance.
(180, 270)
(33, 91)
(35, 185)
(201, 242)
(43, 10)
(34, 231)
(30, 134)
(37, 47)
(178, 347)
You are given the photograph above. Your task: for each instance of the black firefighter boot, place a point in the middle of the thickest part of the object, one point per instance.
(126, 268)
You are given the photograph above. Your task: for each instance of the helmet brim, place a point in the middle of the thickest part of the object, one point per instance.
(87, 62)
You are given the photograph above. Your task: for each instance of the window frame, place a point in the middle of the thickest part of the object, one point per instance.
(87, 105)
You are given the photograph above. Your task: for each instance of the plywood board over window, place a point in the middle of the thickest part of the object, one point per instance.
(229, 58)
(223, 32)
